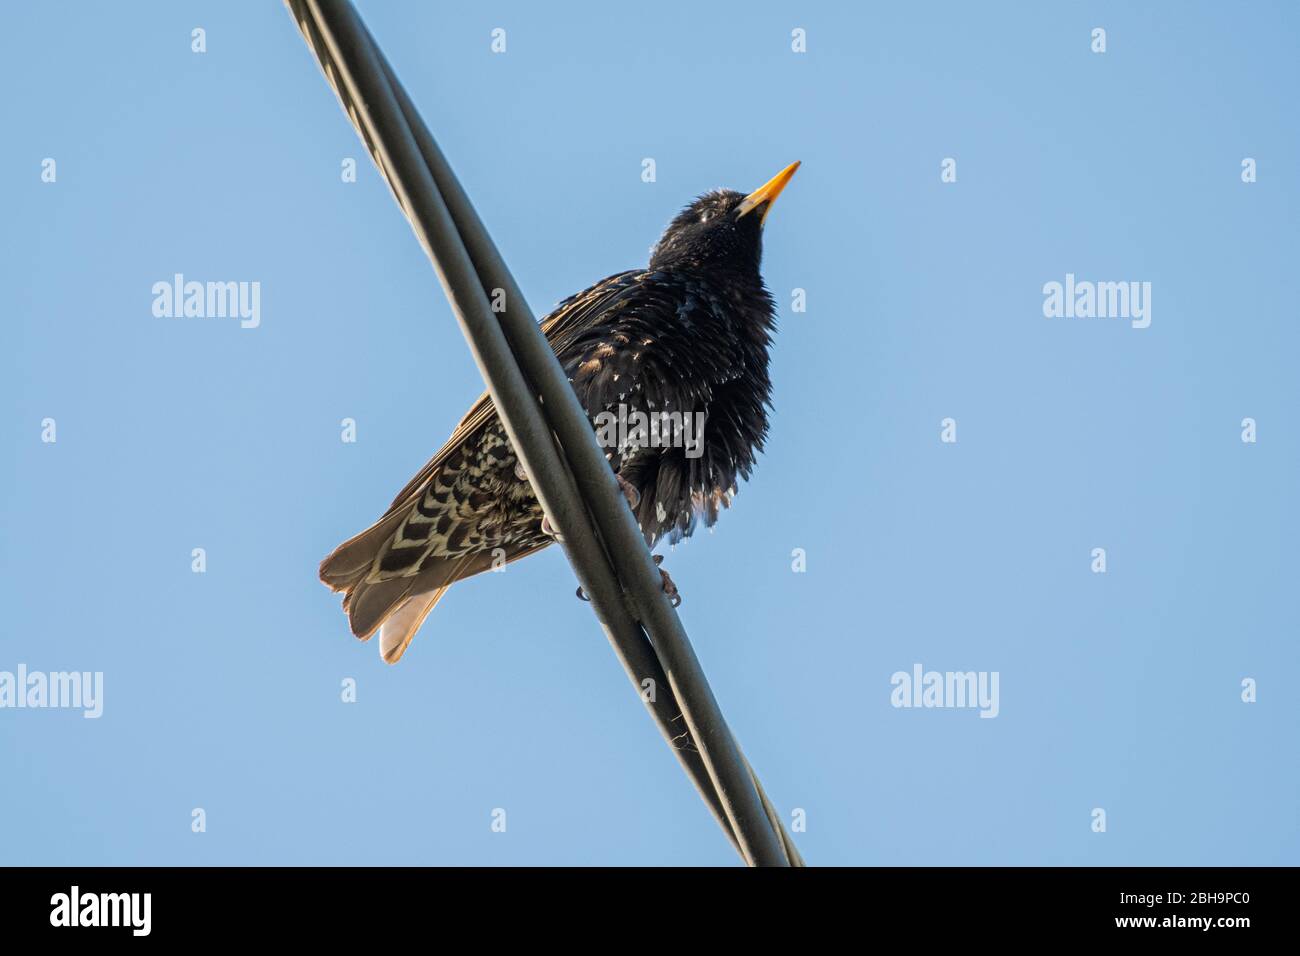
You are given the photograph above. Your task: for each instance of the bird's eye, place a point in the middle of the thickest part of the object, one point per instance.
(707, 215)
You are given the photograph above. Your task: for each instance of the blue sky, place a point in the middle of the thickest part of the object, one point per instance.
(1120, 691)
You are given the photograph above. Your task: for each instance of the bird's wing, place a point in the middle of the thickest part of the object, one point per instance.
(351, 561)
(566, 322)
(579, 313)
(479, 414)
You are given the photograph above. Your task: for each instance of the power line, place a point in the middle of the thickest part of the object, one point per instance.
(550, 432)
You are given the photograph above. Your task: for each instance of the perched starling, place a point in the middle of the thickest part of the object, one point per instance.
(687, 336)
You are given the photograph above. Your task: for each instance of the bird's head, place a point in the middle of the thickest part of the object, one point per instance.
(721, 229)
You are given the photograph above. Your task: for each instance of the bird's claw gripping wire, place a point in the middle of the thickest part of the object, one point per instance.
(669, 587)
(633, 497)
(549, 531)
(547, 528)
(629, 492)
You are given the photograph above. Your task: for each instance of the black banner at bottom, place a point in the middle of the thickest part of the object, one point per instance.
(334, 905)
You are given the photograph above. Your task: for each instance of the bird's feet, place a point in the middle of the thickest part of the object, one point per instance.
(629, 492)
(550, 531)
(547, 528)
(670, 588)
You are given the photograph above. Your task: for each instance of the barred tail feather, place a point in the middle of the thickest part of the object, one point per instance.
(352, 560)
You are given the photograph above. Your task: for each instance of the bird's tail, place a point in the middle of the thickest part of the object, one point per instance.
(369, 602)
(352, 561)
(395, 606)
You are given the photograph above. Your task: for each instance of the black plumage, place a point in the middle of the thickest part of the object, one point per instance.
(687, 336)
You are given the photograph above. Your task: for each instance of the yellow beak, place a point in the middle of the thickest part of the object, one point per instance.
(766, 194)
